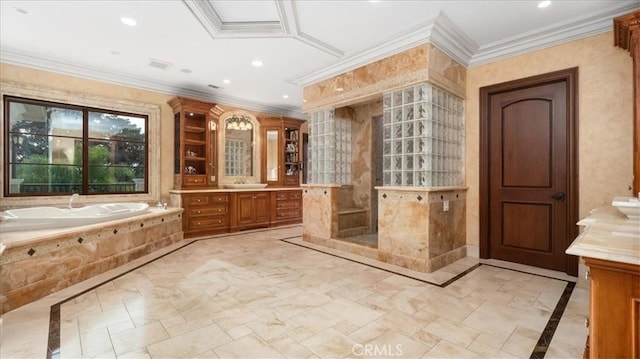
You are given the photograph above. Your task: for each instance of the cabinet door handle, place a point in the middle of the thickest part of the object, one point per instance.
(219, 209)
(198, 200)
(198, 212)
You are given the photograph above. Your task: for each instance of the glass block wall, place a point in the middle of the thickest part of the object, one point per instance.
(423, 137)
(329, 148)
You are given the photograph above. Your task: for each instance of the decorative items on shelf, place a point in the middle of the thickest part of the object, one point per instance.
(190, 170)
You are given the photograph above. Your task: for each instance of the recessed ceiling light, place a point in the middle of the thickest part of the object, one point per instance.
(285, 96)
(543, 4)
(226, 81)
(256, 63)
(186, 71)
(128, 21)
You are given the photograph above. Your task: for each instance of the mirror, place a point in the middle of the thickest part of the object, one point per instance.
(238, 146)
(272, 155)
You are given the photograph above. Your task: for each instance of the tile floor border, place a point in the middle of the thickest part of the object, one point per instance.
(53, 342)
(539, 350)
(441, 285)
(544, 341)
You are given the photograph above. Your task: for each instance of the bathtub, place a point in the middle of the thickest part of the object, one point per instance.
(52, 217)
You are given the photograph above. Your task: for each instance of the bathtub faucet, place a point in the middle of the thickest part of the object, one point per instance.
(73, 197)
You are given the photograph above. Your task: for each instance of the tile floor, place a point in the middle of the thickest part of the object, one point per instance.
(263, 295)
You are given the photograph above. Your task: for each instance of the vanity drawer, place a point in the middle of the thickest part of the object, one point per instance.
(219, 198)
(213, 221)
(194, 180)
(197, 200)
(288, 214)
(208, 211)
(288, 195)
(288, 204)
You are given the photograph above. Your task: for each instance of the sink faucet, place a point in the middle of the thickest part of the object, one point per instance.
(73, 197)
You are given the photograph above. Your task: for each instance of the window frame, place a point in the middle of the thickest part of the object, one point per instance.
(68, 99)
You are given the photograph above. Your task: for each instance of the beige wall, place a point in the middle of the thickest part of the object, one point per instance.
(60, 82)
(605, 113)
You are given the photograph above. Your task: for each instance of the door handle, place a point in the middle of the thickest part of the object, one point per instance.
(560, 196)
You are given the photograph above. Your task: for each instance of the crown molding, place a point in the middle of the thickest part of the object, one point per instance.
(414, 36)
(548, 36)
(13, 57)
(448, 37)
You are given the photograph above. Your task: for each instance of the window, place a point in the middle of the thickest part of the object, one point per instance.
(55, 149)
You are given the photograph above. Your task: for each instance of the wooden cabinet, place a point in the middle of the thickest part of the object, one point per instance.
(281, 160)
(195, 145)
(626, 34)
(250, 210)
(292, 160)
(287, 207)
(614, 314)
(215, 212)
(205, 213)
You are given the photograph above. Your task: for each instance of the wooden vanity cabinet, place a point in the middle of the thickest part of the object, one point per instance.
(205, 213)
(286, 207)
(614, 313)
(195, 147)
(249, 210)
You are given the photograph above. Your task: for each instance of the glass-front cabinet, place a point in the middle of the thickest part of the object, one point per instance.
(195, 145)
(281, 160)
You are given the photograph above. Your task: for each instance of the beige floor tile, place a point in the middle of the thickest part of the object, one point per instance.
(452, 332)
(190, 344)
(401, 322)
(250, 346)
(445, 349)
(316, 320)
(271, 326)
(138, 338)
(521, 342)
(243, 294)
(351, 311)
(96, 342)
(330, 344)
(239, 332)
(290, 348)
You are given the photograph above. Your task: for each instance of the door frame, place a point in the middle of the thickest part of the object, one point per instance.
(570, 76)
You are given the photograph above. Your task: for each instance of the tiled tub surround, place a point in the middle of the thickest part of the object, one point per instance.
(421, 229)
(35, 264)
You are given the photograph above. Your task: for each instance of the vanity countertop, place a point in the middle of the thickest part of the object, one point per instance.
(608, 235)
(222, 189)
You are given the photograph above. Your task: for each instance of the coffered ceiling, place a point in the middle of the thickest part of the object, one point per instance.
(191, 47)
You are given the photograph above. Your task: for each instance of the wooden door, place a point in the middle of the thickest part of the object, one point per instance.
(528, 164)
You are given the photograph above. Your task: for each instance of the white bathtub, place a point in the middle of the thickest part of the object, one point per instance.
(52, 217)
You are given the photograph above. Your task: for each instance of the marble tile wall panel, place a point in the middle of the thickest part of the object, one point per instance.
(33, 270)
(419, 64)
(415, 232)
(320, 208)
